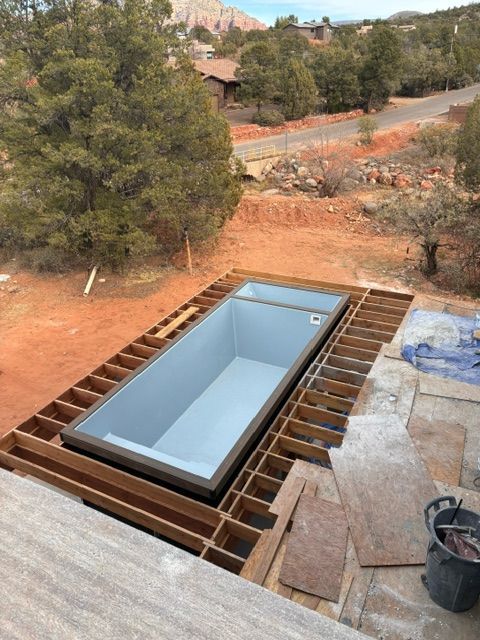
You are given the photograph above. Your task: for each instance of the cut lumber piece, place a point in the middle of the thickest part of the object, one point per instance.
(440, 444)
(300, 469)
(384, 486)
(176, 322)
(316, 548)
(277, 531)
(271, 582)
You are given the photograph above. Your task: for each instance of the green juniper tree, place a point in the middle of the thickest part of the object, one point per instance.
(468, 149)
(110, 151)
(298, 93)
(382, 66)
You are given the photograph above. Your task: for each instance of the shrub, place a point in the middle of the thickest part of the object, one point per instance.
(366, 128)
(438, 140)
(268, 118)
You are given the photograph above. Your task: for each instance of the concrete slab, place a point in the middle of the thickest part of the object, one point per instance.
(68, 571)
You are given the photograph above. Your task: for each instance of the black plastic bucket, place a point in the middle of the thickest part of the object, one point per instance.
(453, 582)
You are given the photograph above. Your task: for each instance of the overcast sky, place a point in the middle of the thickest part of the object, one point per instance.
(268, 10)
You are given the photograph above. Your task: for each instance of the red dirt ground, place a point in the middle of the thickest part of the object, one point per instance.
(51, 336)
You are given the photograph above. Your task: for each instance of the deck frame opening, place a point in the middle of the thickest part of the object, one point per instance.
(295, 306)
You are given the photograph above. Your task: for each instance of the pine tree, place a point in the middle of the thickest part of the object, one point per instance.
(298, 92)
(382, 66)
(111, 151)
(258, 73)
(468, 149)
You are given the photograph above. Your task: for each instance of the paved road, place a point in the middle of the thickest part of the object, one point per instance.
(393, 118)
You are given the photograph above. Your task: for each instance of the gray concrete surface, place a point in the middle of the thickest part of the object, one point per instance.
(386, 119)
(68, 572)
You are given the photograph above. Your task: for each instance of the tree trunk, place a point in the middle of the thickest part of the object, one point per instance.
(431, 265)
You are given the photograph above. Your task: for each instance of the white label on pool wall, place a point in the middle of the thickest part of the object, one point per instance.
(192, 404)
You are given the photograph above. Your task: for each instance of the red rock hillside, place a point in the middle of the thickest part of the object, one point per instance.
(213, 15)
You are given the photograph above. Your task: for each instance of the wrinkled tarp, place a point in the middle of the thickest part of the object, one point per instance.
(443, 344)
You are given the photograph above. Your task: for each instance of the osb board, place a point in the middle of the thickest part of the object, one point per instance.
(440, 444)
(316, 548)
(300, 469)
(389, 389)
(398, 607)
(448, 388)
(384, 485)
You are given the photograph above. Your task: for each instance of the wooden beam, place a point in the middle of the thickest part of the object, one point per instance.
(277, 531)
(176, 322)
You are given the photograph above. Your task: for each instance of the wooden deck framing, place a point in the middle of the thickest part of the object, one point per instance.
(311, 421)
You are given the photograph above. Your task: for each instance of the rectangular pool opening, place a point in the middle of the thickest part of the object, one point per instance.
(190, 413)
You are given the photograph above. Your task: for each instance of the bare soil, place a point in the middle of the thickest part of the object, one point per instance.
(51, 336)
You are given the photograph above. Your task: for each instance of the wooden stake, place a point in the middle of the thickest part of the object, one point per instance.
(187, 247)
(90, 280)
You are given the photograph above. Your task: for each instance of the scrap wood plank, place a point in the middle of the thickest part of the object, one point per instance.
(300, 469)
(383, 485)
(277, 531)
(440, 444)
(176, 322)
(316, 548)
(249, 568)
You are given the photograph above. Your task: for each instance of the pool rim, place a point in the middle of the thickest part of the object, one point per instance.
(180, 478)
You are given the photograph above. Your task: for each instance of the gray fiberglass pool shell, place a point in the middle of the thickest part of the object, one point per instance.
(191, 412)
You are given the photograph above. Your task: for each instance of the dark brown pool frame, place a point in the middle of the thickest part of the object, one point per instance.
(190, 482)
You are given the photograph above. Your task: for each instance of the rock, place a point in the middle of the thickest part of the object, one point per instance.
(325, 164)
(370, 207)
(287, 187)
(296, 183)
(433, 170)
(4, 277)
(310, 182)
(348, 184)
(373, 181)
(304, 187)
(373, 175)
(385, 178)
(402, 181)
(289, 176)
(270, 192)
(13, 289)
(383, 168)
(330, 209)
(426, 185)
(355, 174)
(302, 172)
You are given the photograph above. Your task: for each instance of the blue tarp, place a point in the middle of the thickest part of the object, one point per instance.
(443, 344)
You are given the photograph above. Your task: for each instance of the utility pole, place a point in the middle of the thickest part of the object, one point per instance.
(450, 55)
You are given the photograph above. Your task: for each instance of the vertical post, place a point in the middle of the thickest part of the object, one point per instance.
(187, 247)
(455, 29)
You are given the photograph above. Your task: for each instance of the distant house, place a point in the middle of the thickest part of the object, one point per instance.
(312, 30)
(219, 76)
(201, 51)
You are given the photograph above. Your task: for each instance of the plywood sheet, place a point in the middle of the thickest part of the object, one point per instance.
(440, 444)
(384, 485)
(388, 390)
(398, 607)
(300, 469)
(316, 548)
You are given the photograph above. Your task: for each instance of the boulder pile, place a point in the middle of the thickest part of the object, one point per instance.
(291, 174)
